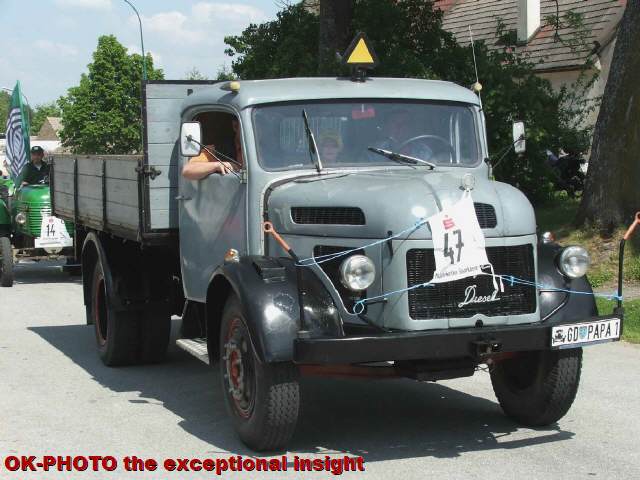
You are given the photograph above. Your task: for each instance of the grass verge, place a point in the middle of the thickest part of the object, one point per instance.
(631, 328)
(557, 217)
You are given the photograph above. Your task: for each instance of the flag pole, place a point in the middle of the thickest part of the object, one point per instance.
(10, 91)
(17, 134)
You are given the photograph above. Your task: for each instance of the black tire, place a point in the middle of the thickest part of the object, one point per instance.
(116, 331)
(538, 388)
(262, 399)
(155, 330)
(6, 262)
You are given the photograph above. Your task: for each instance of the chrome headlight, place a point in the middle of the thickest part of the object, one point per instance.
(357, 272)
(21, 218)
(574, 261)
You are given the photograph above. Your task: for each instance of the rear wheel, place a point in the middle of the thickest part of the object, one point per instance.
(261, 398)
(6, 262)
(116, 330)
(538, 388)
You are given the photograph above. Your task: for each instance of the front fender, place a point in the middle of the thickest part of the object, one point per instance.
(268, 289)
(562, 307)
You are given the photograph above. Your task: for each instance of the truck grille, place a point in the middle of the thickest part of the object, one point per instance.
(327, 215)
(33, 211)
(441, 300)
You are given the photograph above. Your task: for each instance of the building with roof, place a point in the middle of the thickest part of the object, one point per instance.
(559, 50)
(50, 129)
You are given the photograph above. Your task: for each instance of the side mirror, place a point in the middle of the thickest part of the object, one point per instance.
(190, 139)
(519, 142)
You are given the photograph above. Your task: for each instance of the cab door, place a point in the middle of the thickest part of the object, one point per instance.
(212, 219)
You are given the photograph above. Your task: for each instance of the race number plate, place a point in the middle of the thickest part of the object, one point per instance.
(579, 334)
(53, 234)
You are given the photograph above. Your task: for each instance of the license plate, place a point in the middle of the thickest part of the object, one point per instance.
(578, 334)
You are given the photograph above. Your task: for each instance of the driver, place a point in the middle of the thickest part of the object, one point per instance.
(397, 129)
(38, 170)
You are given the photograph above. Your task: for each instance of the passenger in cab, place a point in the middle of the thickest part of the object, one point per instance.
(330, 146)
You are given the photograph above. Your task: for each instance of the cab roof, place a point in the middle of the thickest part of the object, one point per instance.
(256, 92)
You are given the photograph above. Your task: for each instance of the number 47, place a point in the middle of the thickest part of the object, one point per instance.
(448, 251)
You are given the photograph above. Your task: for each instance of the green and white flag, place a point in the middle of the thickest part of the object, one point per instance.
(17, 147)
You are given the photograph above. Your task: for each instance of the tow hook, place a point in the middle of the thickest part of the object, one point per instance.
(486, 347)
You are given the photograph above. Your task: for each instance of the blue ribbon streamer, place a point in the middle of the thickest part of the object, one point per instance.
(359, 306)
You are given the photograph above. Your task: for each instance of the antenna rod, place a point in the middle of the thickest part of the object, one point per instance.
(475, 66)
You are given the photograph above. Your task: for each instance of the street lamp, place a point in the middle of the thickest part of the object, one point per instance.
(144, 58)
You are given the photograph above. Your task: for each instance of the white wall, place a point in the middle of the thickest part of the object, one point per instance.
(568, 78)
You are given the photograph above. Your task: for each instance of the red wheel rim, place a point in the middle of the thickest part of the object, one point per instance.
(239, 369)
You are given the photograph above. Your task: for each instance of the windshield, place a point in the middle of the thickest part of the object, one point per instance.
(441, 133)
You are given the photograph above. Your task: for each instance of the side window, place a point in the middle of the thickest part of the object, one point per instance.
(221, 134)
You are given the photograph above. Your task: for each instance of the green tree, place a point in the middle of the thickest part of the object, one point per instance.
(41, 113)
(225, 74)
(5, 101)
(284, 47)
(103, 113)
(195, 74)
(410, 42)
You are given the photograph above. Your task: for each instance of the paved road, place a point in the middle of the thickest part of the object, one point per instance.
(57, 398)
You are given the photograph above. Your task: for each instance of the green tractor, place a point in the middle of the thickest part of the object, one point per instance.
(28, 231)
(6, 253)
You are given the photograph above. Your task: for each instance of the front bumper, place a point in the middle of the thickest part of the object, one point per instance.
(475, 343)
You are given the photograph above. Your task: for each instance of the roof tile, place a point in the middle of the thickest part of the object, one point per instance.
(600, 18)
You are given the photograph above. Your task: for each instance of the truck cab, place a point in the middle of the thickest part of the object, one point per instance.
(329, 249)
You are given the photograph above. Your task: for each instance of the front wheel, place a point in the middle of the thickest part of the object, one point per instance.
(6, 262)
(538, 388)
(262, 398)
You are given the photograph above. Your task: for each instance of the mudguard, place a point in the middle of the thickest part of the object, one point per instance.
(268, 291)
(562, 307)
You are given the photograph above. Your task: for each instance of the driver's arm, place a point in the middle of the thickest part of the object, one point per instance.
(204, 165)
(199, 170)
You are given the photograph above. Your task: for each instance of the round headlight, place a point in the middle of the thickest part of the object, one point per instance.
(574, 262)
(357, 272)
(21, 218)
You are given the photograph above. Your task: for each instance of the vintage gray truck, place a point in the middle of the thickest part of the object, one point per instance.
(318, 253)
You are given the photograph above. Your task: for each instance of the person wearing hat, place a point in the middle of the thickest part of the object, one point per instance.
(38, 170)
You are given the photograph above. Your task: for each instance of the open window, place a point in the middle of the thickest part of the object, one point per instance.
(221, 130)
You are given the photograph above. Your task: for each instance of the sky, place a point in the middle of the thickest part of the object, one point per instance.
(47, 44)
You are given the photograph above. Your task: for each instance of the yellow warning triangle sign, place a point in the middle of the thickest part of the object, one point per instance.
(360, 53)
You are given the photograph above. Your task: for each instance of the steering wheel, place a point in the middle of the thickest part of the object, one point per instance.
(424, 138)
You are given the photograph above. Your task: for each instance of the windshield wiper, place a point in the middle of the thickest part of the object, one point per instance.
(313, 146)
(400, 158)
